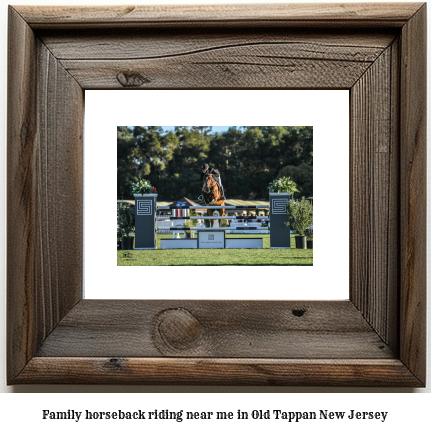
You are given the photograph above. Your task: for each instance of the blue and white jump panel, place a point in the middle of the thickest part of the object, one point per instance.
(211, 239)
(187, 243)
(244, 243)
(204, 243)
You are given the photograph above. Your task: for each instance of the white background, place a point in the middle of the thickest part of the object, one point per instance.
(24, 410)
(328, 113)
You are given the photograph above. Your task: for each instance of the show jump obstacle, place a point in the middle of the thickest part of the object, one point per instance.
(210, 238)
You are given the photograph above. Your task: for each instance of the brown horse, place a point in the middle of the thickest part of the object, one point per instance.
(212, 196)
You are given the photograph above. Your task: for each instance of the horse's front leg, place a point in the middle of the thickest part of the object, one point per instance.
(213, 196)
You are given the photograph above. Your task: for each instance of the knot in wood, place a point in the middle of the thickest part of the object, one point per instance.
(131, 79)
(298, 312)
(178, 329)
(115, 363)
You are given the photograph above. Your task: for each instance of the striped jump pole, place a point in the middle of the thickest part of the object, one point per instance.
(146, 221)
(219, 229)
(198, 217)
(250, 218)
(216, 207)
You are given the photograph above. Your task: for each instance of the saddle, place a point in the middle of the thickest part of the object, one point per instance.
(215, 175)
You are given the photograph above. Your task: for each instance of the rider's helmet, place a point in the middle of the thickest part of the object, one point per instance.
(205, 167)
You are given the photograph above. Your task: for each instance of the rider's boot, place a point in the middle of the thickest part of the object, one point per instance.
(222, 193)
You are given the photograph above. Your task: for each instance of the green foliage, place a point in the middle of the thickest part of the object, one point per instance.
(141, 186)
(284, 184)
(143, 151)
(126, 219)
(309, 233)
(126, 164)
(300, 215)
(302, 175)
(248, 158)
(190, 223)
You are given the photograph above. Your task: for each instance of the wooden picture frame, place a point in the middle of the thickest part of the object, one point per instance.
(376, 338)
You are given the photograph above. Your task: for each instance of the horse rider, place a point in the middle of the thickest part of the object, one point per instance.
(206, 170)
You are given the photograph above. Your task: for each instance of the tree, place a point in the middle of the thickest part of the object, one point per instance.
(302, 175)
(248, 157)
(149, 151)
(203, 130)
(126, 166)
(300, 215)
(305, 137)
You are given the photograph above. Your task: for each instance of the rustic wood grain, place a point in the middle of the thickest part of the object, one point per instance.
(54, 336)
(197, 371)
(374, 194)
(21, 195)
(59, 182)
(239, 329)
(45, 105)
(206, 60)
(208, 72)
(139, 44)
(299, 14)
(247, 66)
(413, 194)
(393, 226)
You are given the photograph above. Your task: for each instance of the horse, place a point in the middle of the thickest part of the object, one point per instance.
(212, 196)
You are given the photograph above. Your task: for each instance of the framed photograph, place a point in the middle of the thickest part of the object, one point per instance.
(374, 338)
(245, 273)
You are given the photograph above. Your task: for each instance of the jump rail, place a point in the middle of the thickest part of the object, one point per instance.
(217, 228)
(213, 207)
(145, 221)
(210, 217)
